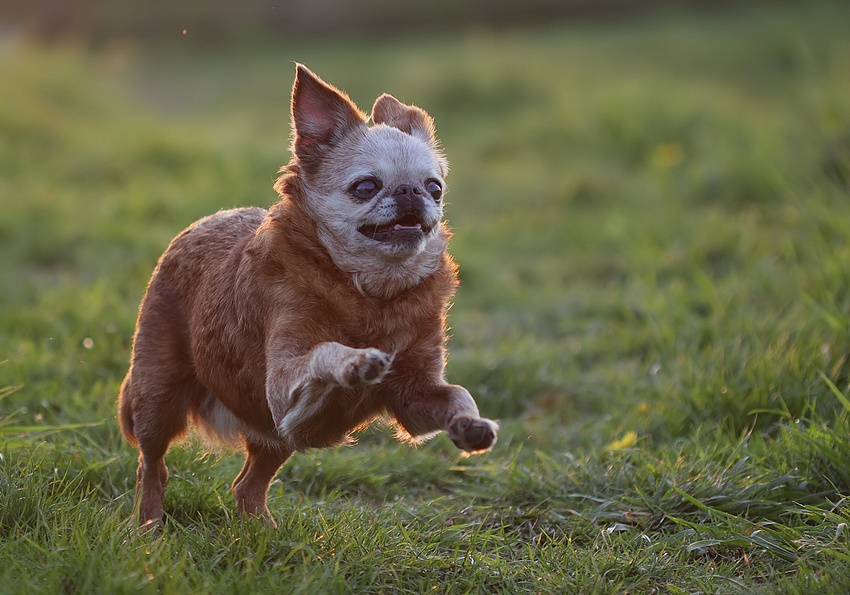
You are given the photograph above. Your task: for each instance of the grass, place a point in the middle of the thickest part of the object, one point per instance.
(653, 227)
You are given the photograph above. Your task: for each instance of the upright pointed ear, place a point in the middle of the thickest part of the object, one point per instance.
(321, 115)
(407, 118)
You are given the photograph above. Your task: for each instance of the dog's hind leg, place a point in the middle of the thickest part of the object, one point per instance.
(157, 393)
(252, 485)
(157, 422)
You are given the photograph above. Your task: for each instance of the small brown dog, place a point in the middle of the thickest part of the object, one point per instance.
(290, 329)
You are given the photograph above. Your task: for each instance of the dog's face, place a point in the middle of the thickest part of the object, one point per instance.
(375, 192)
(382, 193)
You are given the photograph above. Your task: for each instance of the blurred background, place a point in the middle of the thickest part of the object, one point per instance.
(98, 20)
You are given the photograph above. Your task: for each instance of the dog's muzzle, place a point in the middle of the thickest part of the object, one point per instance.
(410, 224)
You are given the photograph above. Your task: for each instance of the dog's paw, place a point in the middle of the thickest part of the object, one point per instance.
(473, 435)
(367, 366)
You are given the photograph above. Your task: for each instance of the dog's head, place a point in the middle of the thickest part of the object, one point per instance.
(375, 191)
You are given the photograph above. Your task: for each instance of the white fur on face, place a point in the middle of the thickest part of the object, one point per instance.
(394, 158)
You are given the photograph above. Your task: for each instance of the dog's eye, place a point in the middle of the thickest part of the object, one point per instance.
(434, 189)
(365, 189)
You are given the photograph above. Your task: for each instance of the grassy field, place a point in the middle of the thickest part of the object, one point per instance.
(653, 225)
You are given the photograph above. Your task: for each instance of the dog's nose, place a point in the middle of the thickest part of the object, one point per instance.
(408, 198)
(406, 190)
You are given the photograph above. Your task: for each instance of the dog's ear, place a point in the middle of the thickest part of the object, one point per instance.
(407, 118)
(321, 114)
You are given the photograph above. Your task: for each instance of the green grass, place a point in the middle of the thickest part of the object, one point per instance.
(653, 227)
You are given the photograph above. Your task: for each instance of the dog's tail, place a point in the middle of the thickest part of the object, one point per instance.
(125, 411)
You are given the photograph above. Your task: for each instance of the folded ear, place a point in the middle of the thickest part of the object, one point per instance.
(321, 114)
(407, 118)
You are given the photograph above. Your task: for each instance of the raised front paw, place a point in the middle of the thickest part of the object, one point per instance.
(367, 366)
(473, 435)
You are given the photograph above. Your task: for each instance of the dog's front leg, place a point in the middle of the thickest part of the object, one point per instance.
(297, 387)
(425, 409)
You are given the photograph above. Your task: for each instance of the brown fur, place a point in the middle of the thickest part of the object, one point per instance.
(248, 320)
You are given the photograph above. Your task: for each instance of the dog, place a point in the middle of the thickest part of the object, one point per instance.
(294, 328)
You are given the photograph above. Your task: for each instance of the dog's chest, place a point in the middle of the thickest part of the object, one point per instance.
(388, 325)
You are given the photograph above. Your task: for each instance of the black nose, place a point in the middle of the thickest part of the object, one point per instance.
(408, 199)
(407, 190)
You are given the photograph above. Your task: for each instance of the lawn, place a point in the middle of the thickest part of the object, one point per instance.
(652, 220)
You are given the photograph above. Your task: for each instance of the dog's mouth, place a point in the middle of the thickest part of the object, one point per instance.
(407, 227)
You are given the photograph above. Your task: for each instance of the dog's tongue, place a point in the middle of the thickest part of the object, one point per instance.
(403, 227)
(406, 222)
